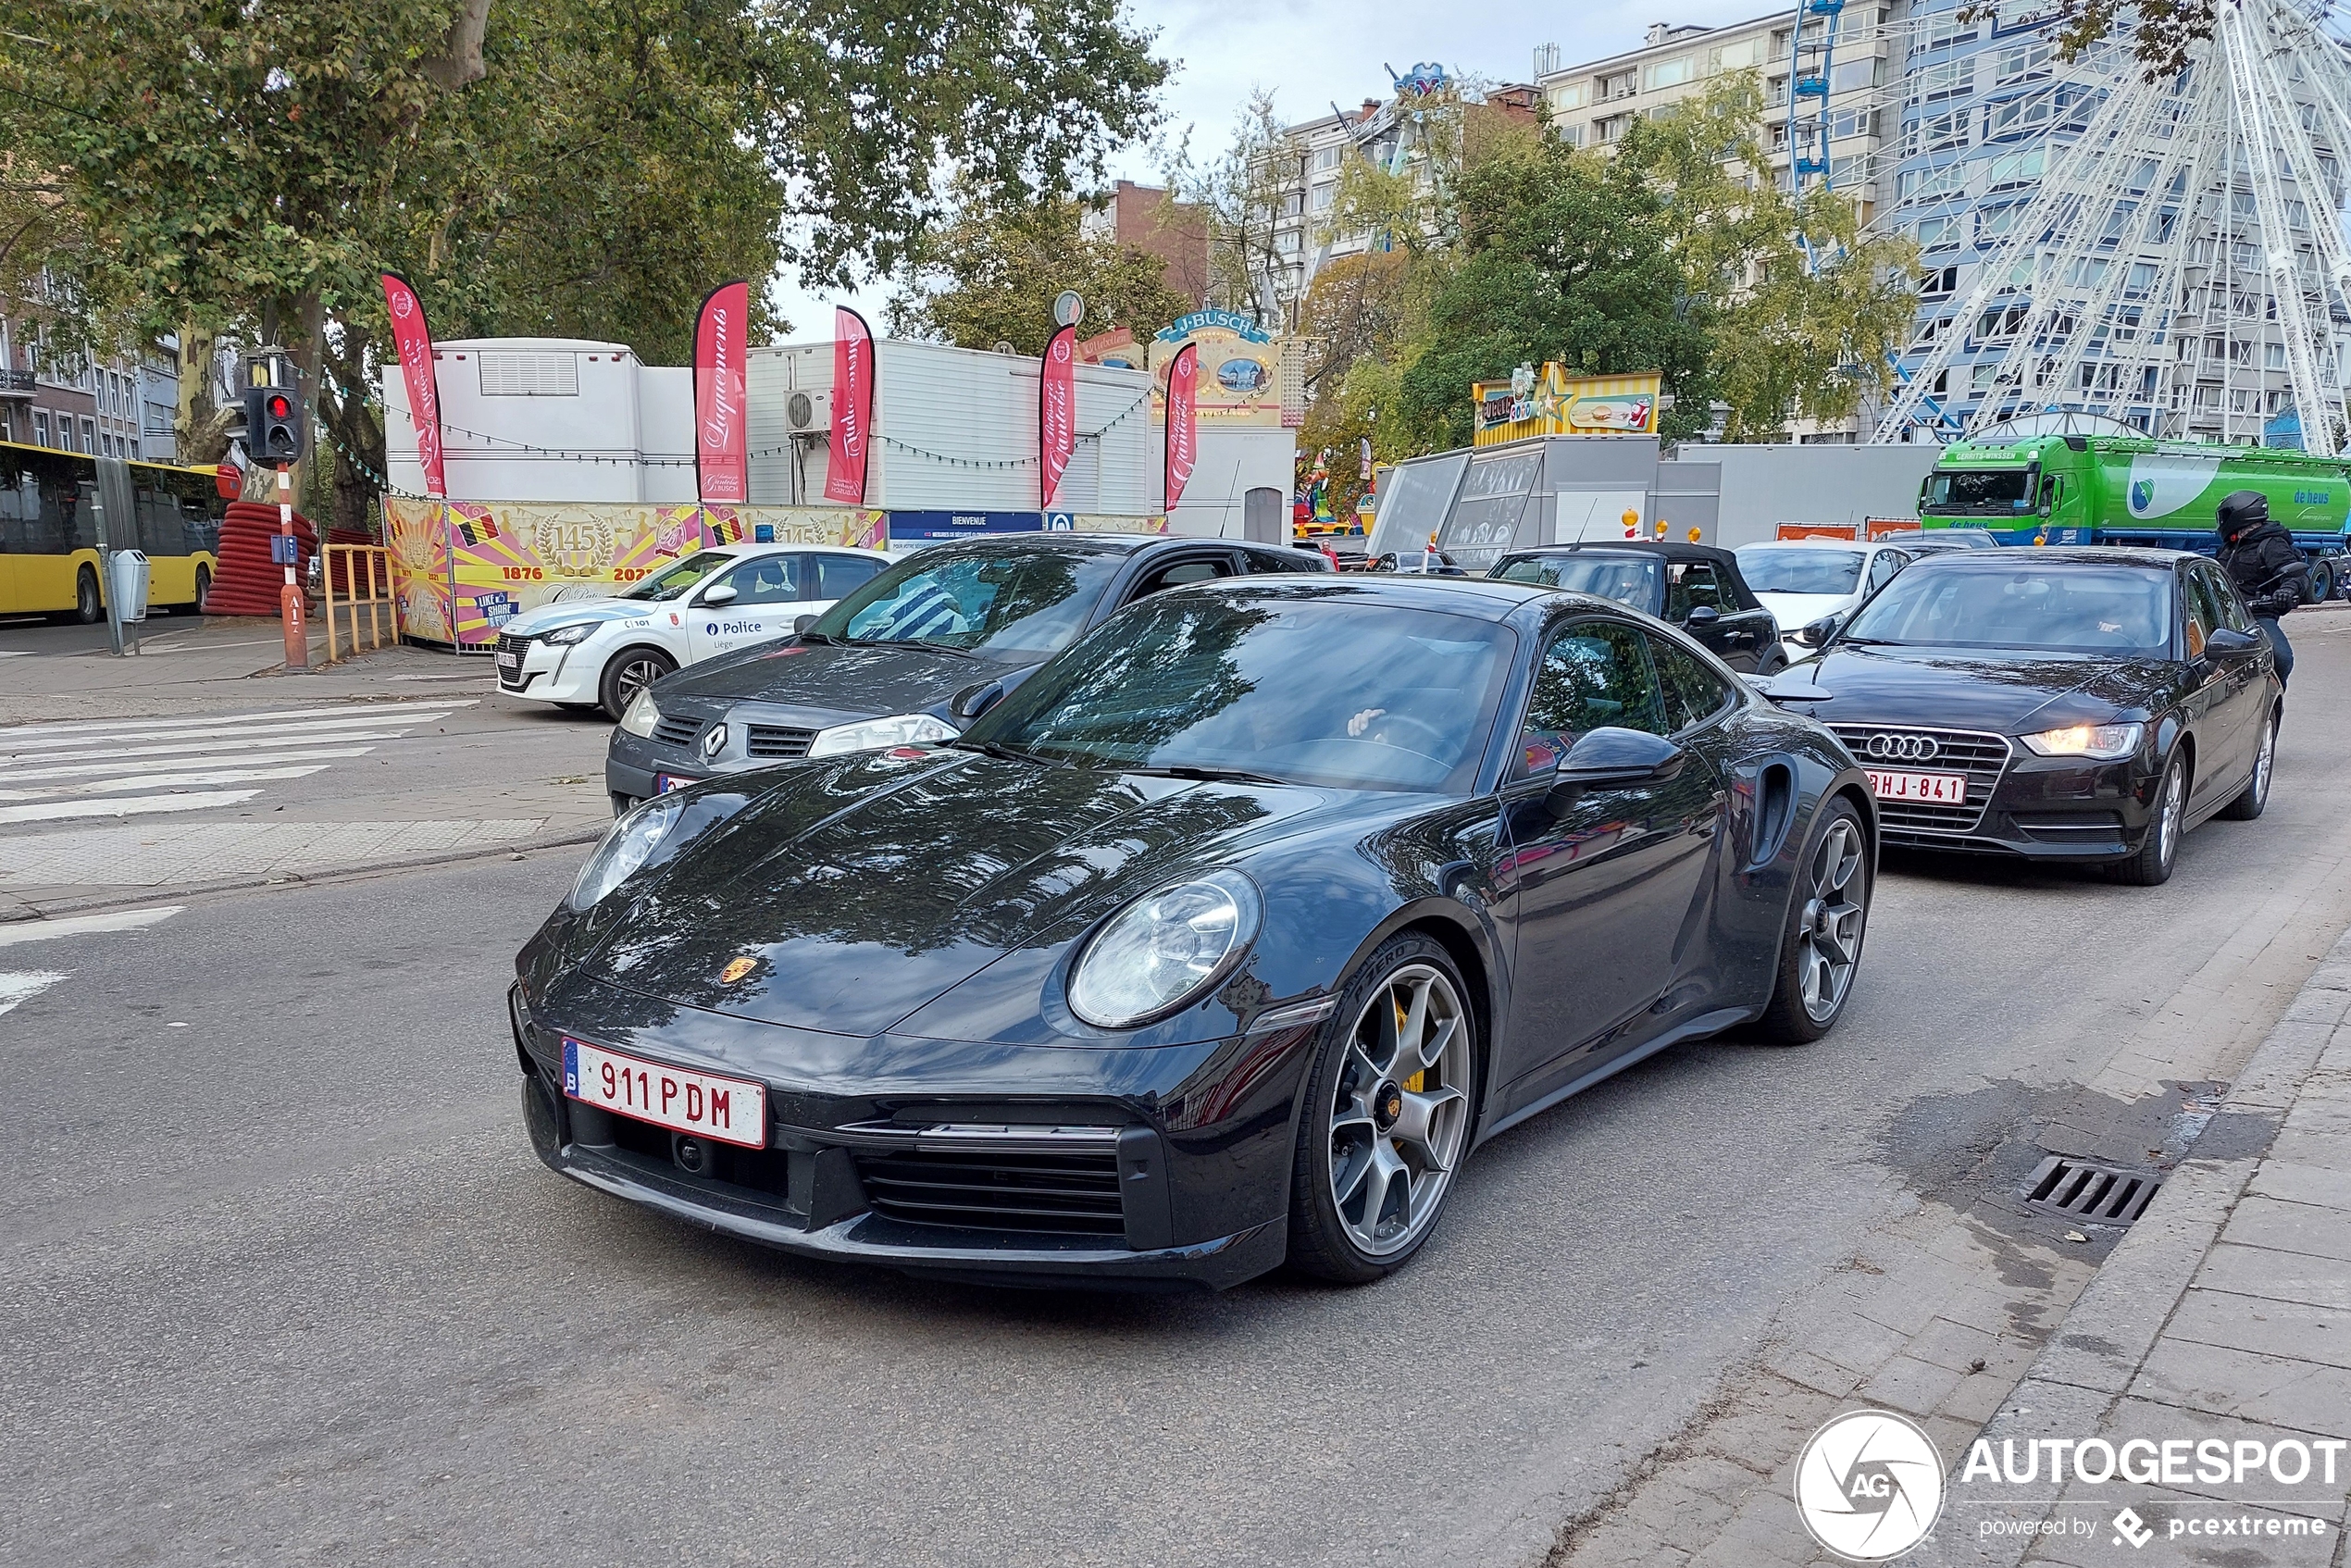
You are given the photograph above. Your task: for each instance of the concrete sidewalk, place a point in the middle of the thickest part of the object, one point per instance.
(2225, 1314)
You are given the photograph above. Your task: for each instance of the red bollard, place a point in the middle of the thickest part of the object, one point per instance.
(289, 597)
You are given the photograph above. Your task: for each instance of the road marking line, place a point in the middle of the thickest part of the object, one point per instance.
(400, 707)
(62, 811)
(14, 932)
(14, 654)
(159, 763)
(24, 986)
(162, 781)
(326, 729)
(172, 756)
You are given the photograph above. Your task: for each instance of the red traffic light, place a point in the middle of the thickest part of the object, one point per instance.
(281, 407)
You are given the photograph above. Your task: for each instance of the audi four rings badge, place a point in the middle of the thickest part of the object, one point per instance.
(1903, 748)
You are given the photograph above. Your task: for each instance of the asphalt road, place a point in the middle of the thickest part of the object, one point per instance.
(287, 1285)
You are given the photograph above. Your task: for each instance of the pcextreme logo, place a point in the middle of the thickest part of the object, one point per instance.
(1869, 1486)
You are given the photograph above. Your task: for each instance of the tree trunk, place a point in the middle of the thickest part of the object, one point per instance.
(460, 61)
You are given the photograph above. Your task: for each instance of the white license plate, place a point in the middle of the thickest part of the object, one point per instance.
(729, 1110)
(510, 661)
(1939, 788)
(665, 782)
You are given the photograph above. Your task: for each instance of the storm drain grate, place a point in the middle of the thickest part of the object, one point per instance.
(2101, 1194)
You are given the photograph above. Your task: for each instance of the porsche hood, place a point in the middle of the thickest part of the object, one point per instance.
(862, 892)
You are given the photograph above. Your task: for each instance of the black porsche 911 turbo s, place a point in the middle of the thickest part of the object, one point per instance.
(1222, 940)
(2088, 704)
(912, 655)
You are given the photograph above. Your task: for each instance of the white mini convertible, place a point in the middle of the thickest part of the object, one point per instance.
(584, 654)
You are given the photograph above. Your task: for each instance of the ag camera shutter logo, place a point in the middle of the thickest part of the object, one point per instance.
(1869, 1486)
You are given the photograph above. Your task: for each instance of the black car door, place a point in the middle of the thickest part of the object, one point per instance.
(1699, 602)
(1598, 883)
(2236, 685)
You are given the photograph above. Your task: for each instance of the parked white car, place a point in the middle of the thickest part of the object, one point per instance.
(600, 653)
(1801, 579)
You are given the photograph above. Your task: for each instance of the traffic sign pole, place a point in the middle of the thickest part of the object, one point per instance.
(289, 596)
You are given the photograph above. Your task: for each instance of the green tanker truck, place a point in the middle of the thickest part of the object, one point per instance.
(2116, 489)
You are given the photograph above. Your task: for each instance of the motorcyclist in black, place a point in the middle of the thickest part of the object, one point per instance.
(2260, 559)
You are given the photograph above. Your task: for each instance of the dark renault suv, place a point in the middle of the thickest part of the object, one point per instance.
(915, 654)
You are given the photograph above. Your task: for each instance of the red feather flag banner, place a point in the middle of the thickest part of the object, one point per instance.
(852, 408)
(412, 339)
(1183, 422)
(722, 441)
(1056, 414)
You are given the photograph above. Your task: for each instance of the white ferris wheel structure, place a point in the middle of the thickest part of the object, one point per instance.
(2180, 269)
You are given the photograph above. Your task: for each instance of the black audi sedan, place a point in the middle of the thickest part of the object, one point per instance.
(1695, 587)
(1221, 941)
(2088, 705)
(914, 655)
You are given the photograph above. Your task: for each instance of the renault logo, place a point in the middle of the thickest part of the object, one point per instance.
(715, 741)
(1903, 748)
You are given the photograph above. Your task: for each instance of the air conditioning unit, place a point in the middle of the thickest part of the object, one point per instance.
(808, 412)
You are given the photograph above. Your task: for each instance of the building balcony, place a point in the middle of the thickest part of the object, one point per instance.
(15, 383)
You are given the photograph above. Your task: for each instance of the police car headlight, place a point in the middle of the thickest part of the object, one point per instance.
(1160, 952)
(564, 636)
(871, 734)
(2100, 742)
(627, 845)
(640, 716)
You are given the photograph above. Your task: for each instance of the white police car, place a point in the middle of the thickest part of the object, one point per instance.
(600, 653)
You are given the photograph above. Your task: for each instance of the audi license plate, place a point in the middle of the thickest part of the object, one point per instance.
(1936, 789)
(729, 1110)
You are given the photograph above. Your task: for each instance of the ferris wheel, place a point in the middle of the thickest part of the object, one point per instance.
(2181, 269)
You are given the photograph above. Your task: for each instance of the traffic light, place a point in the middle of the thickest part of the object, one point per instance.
(276, 427)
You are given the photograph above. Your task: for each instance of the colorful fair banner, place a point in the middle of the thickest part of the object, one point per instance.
(1183, 421)
(1056, 414)
(1556, 403)
(852, 408)
(463, 568)
(722, 443)
(412, 339)
(1241, 383)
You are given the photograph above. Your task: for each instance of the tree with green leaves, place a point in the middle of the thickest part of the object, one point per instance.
(1806, 310)
(586, 166)
(989, 276)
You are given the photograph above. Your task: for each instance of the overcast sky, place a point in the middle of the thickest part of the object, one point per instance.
(1312, 52)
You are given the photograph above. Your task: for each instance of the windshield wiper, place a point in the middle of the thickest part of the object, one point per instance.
(913, 642)
(1208, 775)
(1008, 753)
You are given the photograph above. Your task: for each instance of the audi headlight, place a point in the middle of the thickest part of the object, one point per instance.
(2101, 742)
(1162, 950)
(640, 716)
(564, 636)
(627, 845)
(872, 734)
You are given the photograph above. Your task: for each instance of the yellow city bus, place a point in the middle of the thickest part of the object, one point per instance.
(49, 534)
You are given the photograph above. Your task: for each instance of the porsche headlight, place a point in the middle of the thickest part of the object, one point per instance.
(872, 734)
(628, 844)
(640, 716)
(564, 636)
(2100, 742)
(1161, 951)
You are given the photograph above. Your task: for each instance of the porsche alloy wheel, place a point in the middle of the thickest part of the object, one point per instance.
(1391, 1101)
(1827, 921)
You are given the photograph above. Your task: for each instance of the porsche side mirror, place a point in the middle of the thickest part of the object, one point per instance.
(1610, 755)
(1702, 616)
(801, 623)
(974, 699)
(2227, 642)
(722, 594)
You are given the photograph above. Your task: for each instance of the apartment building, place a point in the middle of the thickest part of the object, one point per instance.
(120, 407)
(1149, 218)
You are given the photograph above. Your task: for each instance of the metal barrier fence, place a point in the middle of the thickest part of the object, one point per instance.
(346, 564)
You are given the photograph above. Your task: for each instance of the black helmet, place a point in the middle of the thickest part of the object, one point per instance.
(2242, 509)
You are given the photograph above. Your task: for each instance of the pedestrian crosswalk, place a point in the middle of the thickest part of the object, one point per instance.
(69, 772)
(20, 985)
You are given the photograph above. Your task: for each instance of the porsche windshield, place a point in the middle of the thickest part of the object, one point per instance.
(2056, 608)
(1003, 604)
(1301, 690)
(1631, 581)
(672, 581)
(1799, 568)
